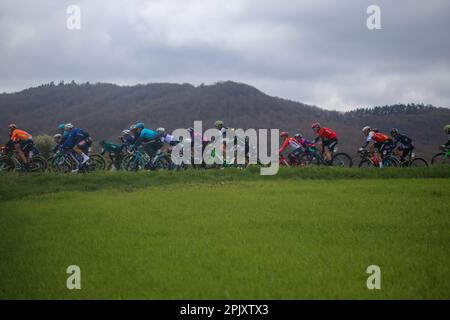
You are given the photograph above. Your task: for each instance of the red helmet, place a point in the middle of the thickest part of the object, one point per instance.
(284, 134)
(315, 125)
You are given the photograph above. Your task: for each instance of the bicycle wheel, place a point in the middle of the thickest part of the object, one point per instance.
(63, 164)
(391, 162)
(96, 163)
(7, 164)
(50, 163)
(440, 159)
(418, 162)
(135, 164)
(366, 164)
(163, 162)
(309, 159)
(38, 164)
(342, 160)
(125, 160)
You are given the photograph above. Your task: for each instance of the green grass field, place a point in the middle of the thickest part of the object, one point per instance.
(227, 234)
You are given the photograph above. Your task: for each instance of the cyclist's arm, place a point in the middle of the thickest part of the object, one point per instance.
(316, 139)
(284, 145)
(68, 143)
(138, 141)
(394, 143)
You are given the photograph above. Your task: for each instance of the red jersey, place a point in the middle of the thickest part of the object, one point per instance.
(327, 134)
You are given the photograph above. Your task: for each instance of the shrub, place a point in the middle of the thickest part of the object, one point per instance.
(45, 144)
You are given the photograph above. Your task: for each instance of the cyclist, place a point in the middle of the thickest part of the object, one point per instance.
(328, 138)
(57, 139)
(21, 142)
(166, 138)
(149, 139)
(290, 149)
(127, 139)
(305, 143)
(405, 145)
(114, 152)
(79, 141)
(446, 146)
(220, 126)
(379, 141)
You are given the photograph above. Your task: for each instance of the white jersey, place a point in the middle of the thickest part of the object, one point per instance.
(167, 138)
(370, 136)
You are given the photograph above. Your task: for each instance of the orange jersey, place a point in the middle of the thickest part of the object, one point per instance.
(20, 135)
(379, 137)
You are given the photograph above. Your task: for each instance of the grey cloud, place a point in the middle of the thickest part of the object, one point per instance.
(316, 51)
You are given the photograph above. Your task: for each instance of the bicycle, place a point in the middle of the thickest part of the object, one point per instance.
(411, 161)
(367, 161)
(311, 157)
(441, 158)
(10, 162)
(66, 161)
(141, 160)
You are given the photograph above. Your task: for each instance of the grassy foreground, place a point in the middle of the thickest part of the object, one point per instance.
(226, 235)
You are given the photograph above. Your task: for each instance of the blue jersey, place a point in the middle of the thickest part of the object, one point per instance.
(75, 136)
(146, 136)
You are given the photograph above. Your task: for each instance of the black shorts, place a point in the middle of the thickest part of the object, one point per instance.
(406, 150)
(84, 144)
(385, 146)
(152, 147)
(26, 145)
(330, 144)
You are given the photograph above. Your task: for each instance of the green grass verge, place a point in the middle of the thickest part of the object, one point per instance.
(227, 235)
(17, 185)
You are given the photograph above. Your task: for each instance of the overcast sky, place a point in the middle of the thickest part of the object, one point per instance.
(313, 51)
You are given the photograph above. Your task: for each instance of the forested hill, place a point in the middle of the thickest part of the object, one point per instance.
(106, 109)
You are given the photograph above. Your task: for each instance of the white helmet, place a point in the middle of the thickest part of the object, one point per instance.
(68, 126)
(126, 132)
(161, 130)
(57, 136)
(365, 129)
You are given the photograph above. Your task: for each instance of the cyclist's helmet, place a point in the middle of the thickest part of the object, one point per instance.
(61, 126)
(315, 125)
(68, 126)
(57, 136)
(140, 125)
(12, 127)
(161, 131)
(132, 127)
(218, 124)
(125, 132)
(366, 129)
(298, 136)
(394, 131)
(284, 134)
(447, 129)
